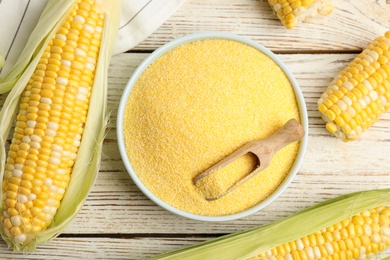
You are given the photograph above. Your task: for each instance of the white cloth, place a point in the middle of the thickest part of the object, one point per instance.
(140, 18)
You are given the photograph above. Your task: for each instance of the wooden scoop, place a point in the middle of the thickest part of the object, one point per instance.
(264, 150)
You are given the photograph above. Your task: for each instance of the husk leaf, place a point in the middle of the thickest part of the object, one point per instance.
(249, 243)
(87, 163)
(2, 61)
(54, 11)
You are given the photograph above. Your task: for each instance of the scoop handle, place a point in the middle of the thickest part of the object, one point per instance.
(290, 132)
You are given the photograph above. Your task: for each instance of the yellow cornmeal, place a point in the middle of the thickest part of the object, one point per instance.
(219, 181)
(195, 105)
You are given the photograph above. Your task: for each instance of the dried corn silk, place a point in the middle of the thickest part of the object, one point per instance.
(195, 105)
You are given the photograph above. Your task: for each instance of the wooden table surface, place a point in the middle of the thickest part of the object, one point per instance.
(119, 222)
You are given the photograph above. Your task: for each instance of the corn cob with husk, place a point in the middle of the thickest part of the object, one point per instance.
(292, 12)
(54, 155)
(353, 226)
(360, 93)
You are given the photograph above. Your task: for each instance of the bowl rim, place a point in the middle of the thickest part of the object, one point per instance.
(208, 36)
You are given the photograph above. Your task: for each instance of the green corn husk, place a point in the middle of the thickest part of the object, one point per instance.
(2, 61)
(87, 162)
(250, 243)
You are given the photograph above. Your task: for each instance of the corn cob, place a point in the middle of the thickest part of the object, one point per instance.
(360, 94)
(353, 226)
(50, 124)
(292, 12)
(362, 236)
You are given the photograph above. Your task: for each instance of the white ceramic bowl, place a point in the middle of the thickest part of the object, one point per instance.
(206, 36)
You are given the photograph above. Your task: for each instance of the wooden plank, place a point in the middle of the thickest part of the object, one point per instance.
(351, 26)
(101, 248)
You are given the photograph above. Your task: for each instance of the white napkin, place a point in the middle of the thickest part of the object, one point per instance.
(140, 18)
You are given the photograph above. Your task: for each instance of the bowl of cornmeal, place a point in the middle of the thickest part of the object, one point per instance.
(196, 100)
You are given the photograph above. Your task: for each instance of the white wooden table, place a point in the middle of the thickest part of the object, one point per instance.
(118, 221)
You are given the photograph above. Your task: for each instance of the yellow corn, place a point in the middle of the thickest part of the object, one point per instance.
(291, 12)
(360, 94)
(352, 226)
(359, 237)
(50, 123)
